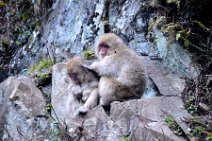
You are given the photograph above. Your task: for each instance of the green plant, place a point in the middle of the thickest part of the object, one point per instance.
(127, 138)
(201, 25)
(88, 54)
(48, 108)
(174, 126)
(197, 131)
(209, 138)
(42, 64)
(43, 76)
(190, 105)
(159, 21)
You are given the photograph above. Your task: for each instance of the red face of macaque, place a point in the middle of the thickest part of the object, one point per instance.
(74, 77)
(103, 48)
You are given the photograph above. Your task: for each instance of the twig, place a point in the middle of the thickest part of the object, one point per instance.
(20, 132)
(57, 117)
(8, 133)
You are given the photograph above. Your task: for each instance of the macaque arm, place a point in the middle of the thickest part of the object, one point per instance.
(105, 67)
(92, 99)
(91, 102)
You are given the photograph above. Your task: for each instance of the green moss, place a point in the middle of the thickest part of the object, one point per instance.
(88, 54)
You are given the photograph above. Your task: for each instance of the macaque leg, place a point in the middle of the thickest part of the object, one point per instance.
(91, 102)
(107, 90)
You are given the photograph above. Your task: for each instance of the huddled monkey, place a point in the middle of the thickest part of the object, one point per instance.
(122, 73)
(85, 84)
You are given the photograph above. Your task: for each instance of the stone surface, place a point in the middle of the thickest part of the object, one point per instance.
(174, 56)
(22, 110)
(168, 82)
(139, 119)
(72, 26)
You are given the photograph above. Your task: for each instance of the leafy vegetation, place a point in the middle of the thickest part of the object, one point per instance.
(174, 126)
(190, 105)
(88, 54)
(42, 70)
(200, 128)
(42, 64)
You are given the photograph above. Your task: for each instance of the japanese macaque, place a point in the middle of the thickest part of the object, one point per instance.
(122, 73)
(85, 84)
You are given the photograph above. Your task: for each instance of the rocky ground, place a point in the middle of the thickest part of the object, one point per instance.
(174, 51)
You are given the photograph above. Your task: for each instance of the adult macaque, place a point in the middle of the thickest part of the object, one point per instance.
(85, 83)
(122, 73)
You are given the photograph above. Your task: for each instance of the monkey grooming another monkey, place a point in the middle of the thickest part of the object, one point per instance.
(85, 84)
(122, 73)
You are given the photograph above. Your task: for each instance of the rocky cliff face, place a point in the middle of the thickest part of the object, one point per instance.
(72, 26)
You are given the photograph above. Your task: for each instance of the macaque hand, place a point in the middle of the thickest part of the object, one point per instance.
(82, 110)
(77, 91)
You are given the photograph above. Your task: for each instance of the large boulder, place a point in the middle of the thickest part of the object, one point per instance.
(22, 108)
(138, 119)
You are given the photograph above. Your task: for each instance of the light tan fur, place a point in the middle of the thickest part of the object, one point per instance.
(122, 73)
(86, 88)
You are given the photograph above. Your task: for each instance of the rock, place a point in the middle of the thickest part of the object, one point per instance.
(72, 26)
(168, 82)
(175, 57)
(22, 110)
(138, 119)
(148, 115)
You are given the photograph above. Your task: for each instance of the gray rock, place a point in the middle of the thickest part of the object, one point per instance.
(148, 115)
(22, 110)
(167, 81)
(139, 119)
(175, 56)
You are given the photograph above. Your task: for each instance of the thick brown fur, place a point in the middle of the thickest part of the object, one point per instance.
(85, 84)
(122, 73)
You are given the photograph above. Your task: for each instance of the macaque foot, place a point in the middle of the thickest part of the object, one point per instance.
(83, 110)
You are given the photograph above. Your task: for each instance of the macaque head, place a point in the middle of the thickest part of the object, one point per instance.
(74, 68)
(108, 44)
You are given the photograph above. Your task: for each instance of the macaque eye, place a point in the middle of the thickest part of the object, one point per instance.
(103, 45)
(73, 76)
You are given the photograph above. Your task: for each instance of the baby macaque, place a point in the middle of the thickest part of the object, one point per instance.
(85, 84)
(122, 73)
